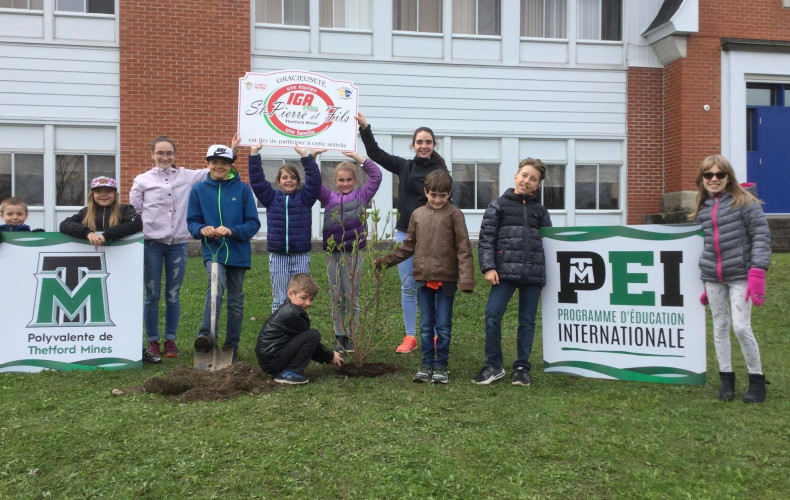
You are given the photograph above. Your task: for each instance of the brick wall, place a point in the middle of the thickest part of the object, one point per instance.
(645, 143)
(180, 62)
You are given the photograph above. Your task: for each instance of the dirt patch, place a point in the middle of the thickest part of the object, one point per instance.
(367, 370)
(185, 384)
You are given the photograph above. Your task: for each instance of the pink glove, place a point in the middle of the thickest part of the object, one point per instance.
(703, 299)
(755, 286)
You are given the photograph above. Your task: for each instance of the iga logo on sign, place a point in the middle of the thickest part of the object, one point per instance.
(300, 111)
(72, 290)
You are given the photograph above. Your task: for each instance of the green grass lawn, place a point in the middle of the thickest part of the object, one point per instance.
(62, 435)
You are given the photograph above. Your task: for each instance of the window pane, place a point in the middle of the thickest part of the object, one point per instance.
(358, 14)
(609, 192)
(404, 15)
(5, 176)
(101, 165)
(395, 184)
(757, 96)
(554, 187)
(430, 16)
(532, 18)
(488, 17)
(325, 18)
(70, 180)
(37, 4)
(71, 5)
(101, 6)
(297, 12)
(554, 19)
(487, 184)
(29, 178)
(464, 16)
(589, 20)
(464, 185)
(269, 11)
(611, 16)
(585, 186)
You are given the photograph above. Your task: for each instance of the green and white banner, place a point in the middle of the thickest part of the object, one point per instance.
(67, 306)
(621, 302)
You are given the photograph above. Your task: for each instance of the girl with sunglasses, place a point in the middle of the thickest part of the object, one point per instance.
(735, 256)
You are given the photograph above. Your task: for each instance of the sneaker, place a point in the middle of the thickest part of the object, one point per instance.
(171, 351)
(203, 343)
(423, 374)
(235, 358)
(408, 345)
(154, 353)
(290, 378)
(149, 356)
(488, 374)
(349, 344)
(521, 376)
(440, 377)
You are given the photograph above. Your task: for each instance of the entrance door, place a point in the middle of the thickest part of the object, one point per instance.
(768, 164)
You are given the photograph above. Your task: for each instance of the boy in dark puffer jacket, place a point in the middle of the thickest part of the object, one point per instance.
(511, 258)
(286, 343)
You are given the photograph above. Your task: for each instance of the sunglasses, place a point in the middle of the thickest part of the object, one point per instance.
(711, 175)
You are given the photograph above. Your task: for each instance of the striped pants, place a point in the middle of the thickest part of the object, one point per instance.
(282, 266)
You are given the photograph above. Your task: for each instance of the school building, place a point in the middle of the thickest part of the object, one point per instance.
(621, 99)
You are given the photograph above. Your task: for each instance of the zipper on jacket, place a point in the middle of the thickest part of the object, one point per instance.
(717, 246)
(287, 221)
(219, 210)
(524, 217)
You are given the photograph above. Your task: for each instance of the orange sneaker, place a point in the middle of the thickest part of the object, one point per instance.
(408, 345)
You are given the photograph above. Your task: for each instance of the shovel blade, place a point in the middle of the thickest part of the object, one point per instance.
(215, 359)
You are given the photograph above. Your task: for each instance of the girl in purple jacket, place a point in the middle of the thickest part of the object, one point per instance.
(344, 238)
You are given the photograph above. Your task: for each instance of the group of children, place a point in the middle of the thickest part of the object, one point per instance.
(222, 213)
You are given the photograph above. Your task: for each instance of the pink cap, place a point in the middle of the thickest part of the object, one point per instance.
(102, 181)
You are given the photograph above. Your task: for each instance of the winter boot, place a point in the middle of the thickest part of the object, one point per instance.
(727, 391)
(756, 391)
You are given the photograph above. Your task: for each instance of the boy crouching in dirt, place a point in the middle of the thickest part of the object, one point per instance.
(286, 343)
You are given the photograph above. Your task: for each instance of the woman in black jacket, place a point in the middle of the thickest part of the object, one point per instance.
(105, 218)
(411, 195)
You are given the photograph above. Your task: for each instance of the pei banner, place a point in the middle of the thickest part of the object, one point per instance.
(621, 302)
(67, 306)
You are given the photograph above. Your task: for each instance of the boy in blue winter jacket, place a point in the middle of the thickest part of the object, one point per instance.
(223, 214)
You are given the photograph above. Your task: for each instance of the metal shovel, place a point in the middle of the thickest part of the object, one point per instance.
(213, 358)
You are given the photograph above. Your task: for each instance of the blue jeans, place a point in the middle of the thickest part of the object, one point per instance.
(408, 291)
(436, 317)
(174, 259)
(232, 279)
(498, 298)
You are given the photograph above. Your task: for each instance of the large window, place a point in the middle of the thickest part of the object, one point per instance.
(600, 19)
(22, 175)
(88, 6)
(22, 4)
(552, 190)
(417, 15)
(354, 14)
(289, 12)
(475, 185)
(543, 18)
(597, 187)
(476, 17)
(73, 174)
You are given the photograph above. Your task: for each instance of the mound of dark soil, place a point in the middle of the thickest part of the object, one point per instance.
(186, 384)
(367, 370)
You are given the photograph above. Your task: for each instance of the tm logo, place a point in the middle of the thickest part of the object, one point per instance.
(72, 290)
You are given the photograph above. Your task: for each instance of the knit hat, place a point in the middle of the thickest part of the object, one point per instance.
(103, 181)
(220, 152)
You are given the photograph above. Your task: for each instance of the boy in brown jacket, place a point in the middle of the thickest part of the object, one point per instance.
(443, 262)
